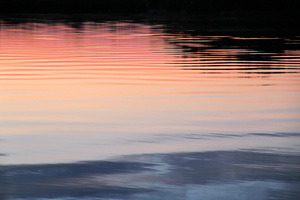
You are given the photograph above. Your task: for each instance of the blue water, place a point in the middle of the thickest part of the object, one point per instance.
(127, 109)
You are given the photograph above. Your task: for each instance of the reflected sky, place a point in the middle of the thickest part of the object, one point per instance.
(86, 91)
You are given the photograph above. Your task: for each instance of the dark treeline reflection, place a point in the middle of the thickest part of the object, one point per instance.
(259, 48)
(253, 175)
(224, 7)
(250, 46)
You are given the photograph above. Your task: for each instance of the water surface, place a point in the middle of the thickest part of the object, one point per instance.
(73, 92)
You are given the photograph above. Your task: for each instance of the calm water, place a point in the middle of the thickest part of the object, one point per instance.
(178, 115)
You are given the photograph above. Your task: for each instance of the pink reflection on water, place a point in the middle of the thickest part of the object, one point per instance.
(110, 84)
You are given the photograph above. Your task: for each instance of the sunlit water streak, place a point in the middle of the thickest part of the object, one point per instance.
(119, 88)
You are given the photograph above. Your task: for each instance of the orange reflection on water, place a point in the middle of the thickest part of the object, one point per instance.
(116, 86)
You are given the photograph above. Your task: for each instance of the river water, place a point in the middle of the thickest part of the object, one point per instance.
(137, 110)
